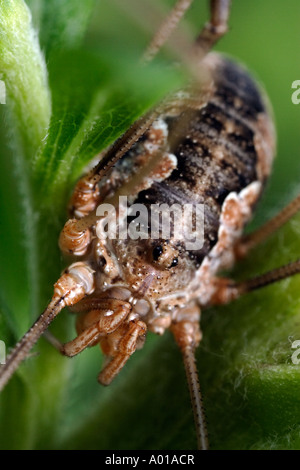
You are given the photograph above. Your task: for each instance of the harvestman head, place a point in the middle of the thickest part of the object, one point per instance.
(113, 318)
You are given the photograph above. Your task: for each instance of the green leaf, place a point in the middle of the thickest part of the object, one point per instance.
(24, 123)
(24, 74)
(61, 24)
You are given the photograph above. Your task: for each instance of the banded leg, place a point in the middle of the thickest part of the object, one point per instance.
(122, 344)
(73, 285)
(97, 323)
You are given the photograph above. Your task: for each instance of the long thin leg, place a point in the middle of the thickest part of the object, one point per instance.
(73, 285)
(210, 34)
(191, 371)
(215, 28)
(187, 335)
(166, 28)
(253, 239)
(228, 289)
(270, 277)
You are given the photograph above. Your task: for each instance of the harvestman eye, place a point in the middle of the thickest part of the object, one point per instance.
(157, 251)
(174, 263)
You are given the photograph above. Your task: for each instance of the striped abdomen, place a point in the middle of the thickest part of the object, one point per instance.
(221, 147)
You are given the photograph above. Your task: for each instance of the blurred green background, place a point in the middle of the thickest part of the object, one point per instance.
(250, 386)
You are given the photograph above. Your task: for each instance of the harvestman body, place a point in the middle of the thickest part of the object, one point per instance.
(212, 144)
